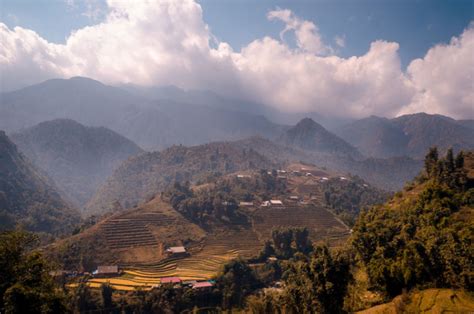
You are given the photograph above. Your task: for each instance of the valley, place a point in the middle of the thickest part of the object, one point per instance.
(136, 239)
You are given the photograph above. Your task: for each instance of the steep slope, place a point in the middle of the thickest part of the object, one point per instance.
(27, 198)
(427, 301)
(152, 124)
(426, 130)
(408, 135)
(76, 157)
(376, 137)
(311, 136)
(141, 177)
(421, 237)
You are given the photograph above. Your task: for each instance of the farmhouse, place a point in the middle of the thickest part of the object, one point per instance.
(243, 176)
(106, 271)
(202, 285)
(246, 204)
(176, 251)
(272, 203)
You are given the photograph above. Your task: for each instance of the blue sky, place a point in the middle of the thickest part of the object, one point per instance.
(415, 25)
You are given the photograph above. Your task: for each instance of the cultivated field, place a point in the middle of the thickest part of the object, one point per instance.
(321, 223)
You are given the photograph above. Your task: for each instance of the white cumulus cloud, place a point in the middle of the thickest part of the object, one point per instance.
(168, 43)
(444, 78)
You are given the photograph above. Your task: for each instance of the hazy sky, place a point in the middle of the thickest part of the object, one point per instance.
(346, 58)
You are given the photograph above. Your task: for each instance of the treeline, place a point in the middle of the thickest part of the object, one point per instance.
(348, 197)
(422, 238)
(218, 200)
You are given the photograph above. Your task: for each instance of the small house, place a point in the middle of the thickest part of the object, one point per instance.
(106, 271)
(202, 285)
(243, 176)
(294, 198)
(246, 204)
(276, 202)
(177, 251)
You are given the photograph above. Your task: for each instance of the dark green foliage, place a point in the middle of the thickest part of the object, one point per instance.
(236, 282)
(348, 197)
(219, 202)
(286, 242)
(82, 299)
(106, 291)
(423, 240)
(317, 284)
(25, 284)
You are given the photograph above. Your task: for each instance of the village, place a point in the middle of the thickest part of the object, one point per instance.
(196, 266)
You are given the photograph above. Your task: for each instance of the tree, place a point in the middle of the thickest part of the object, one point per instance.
(317, 284)
(302, 242)
(431, 161)
(235, 283)
(106, 292)
(282, 239)
(25, 283)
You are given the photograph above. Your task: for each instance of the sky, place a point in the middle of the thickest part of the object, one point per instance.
(342, 58)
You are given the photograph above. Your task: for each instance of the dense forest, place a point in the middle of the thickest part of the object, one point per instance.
(423, 236)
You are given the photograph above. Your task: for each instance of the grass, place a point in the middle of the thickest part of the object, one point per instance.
(428, 301)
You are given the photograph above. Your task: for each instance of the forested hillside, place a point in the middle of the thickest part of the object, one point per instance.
(423, 236)
(28, 199)
(76, 157)
(141, 177)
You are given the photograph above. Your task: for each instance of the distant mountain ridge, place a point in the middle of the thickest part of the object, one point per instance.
(311, 136)
(76, 157)
(28, 199)
(152, 124)
(411, 135)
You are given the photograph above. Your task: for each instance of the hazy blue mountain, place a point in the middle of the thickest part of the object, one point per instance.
(29, 199)
(76, 157)
(411, 135)
(152, 124)
(311, 136)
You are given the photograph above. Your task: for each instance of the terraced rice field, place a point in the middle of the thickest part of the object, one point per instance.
(321, 223)
(202, 265)
(132, 230)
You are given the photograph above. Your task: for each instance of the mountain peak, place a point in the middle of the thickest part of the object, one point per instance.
(310, 135)
(308, 123)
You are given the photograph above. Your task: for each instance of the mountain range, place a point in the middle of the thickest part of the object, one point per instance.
(85, 148)
(408, 135)
(159, 117)
(152, 124)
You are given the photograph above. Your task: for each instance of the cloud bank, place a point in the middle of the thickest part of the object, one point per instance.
(168, 43)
